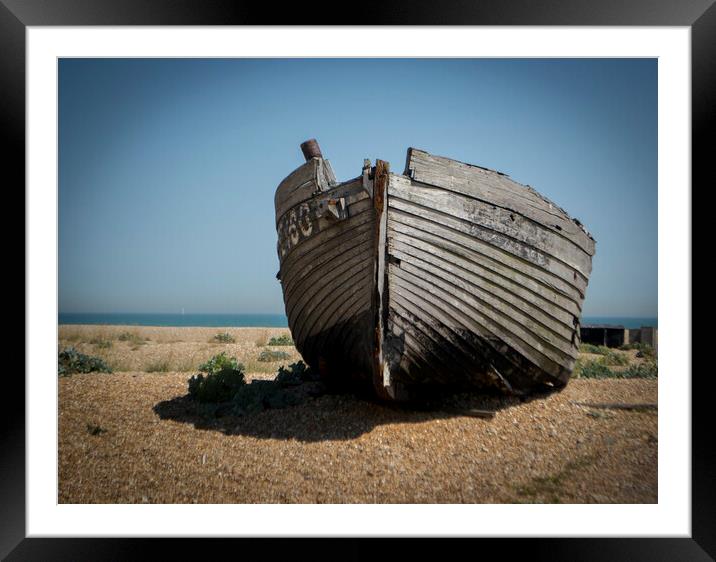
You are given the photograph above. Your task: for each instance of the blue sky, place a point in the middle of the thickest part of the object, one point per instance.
(167, 167)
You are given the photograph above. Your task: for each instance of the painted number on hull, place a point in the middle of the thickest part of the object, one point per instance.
(296, 225)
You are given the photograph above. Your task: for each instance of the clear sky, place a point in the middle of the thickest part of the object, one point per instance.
(168, 167)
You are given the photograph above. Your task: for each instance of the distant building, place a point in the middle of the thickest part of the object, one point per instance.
(610, 335)
(614, 335)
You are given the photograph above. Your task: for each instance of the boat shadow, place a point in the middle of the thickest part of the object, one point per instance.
(333, 417)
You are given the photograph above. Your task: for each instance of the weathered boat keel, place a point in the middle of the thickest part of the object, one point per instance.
(447, 274)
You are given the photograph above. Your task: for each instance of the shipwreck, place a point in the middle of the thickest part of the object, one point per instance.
(447, 274)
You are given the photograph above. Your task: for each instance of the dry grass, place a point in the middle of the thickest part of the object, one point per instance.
(132, 437)
(262, 338)
(156, 349)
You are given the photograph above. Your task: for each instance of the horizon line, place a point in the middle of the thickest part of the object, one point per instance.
(284, 314)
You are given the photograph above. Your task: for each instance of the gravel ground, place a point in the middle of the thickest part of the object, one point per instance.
(133, 437)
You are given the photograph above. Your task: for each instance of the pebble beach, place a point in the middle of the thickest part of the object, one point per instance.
(133, 436)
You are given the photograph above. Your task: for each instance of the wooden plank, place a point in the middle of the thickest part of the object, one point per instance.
(382, 382)
(483, 324)
(352, 191)
(342, 230)
(495, 219)
(420, 344)
(334, 278)
(497, 189)
(464, 250)
(493, 306)
(619, 405)
(470, 412)
(513, 290)
(299, 177)
(355, 295)
(468, 360)
(433, 165)
(340, 316)
(508, 367)
(310, 274)
(512, 251)
(508, 301)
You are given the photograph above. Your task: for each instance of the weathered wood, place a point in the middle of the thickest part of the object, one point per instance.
(455, 275)
(432, 289)
(532, 302)
(551, 273)
(300, 177)
(492, 219)
(517, 248)
(342, 280)
(381, 370)
(476, 254)
(511, 304)
(498, 189)
(618, 405)
(470, 412)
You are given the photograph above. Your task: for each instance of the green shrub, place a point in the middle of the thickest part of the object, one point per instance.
(592, 370)
(132, 337)
(220, 379)
(225, 391)
(285, 339)
(220, 362)
(261, 395)
(590, 348)
(70, 361)
(101, 343)
(294, 374)
(646, 370)
(643, 348)
(224, 337)
(614, 358)
(220, 386)
(267, 356)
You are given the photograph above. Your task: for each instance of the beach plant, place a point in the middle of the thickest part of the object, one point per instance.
(295, 374)
(220, 362)
(284, 391)
(612, 357)
(220, 386)
(101, 343)
(646, 370)
(70, 361)
(594, 349)
(643, 349)
(224, 337)
(219, 380)
(268, 356)
(592, 370)
(132, 338)
(284, 339)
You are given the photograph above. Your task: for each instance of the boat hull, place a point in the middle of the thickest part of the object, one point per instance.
(448, 274)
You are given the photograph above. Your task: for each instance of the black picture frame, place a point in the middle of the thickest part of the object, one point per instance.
(16, 15)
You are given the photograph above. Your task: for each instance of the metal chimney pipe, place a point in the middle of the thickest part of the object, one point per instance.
(311, 149)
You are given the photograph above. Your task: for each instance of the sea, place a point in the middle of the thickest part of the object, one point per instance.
(258, 320)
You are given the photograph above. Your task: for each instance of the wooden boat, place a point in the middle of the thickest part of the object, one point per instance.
(448, 274)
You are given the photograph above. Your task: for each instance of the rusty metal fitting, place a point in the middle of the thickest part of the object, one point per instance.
(311, 149)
